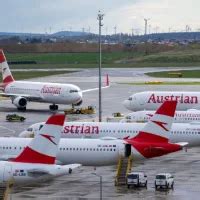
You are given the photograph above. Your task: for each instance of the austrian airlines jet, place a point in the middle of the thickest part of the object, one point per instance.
(187, 132)
(148, 143)
(21, 92)
(188, 116)
(36, 160)
(151, 100)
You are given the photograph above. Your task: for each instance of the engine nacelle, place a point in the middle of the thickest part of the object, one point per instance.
(20, 102)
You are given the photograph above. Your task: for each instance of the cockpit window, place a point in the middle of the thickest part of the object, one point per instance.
(73, 91)
(29, 129)
(40, 127)
(130, 98)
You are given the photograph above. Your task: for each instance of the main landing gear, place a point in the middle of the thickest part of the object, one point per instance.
(53, 107)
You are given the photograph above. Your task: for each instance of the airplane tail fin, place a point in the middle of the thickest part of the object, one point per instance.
(43, 148)
(6, 73)
(152, 141)
(159, 124)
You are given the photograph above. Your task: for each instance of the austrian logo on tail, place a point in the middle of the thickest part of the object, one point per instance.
(161, 124)
(49, 137)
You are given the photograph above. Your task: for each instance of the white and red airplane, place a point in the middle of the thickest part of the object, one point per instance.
(188, 116)
(187, 132)
(148, 143)
(35, 161)
(21, 92)
(151, 100)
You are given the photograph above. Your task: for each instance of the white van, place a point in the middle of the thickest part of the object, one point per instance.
(164, 180)
(136, 179)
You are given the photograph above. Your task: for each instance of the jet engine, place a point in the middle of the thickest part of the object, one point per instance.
(20, 102)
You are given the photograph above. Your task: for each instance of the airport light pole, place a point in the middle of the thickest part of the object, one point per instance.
(100, 18)
(100, 177)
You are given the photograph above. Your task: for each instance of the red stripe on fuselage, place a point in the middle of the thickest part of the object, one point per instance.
(31, 156)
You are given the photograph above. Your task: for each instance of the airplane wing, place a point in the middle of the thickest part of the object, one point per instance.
(29, 97)
(93, 89)
(73, 166)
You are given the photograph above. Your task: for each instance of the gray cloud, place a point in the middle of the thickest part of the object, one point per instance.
(37, 15)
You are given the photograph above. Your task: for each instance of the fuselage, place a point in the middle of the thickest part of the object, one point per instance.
(45, 92)
(89, 152)
(151, 100)
(20, 173)
(83, 151)
(180, 116)
(180, 132)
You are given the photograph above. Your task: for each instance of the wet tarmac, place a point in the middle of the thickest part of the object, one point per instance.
(82, 184)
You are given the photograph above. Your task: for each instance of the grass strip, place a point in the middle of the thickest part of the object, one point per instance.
(163, 83)
(35, 74)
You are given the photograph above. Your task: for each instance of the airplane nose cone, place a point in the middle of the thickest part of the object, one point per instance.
(127, 103)
(80, 95)
(78, 99)
(25, 134)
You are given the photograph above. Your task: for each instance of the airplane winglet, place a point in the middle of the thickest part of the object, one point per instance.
(107, 80)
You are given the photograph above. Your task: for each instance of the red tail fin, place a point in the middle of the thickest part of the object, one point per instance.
(152, 141)
(159, 125)
(6, 73)
(43, 147)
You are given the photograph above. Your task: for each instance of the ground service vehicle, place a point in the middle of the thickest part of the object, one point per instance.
(15, 117)
(164, 180)
(116, 117)
(87, 111)
(136, 179)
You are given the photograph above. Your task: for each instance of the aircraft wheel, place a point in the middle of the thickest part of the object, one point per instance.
(70, 170)
(53, 107)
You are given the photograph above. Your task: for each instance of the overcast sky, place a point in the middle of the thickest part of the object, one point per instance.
(39, 15)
